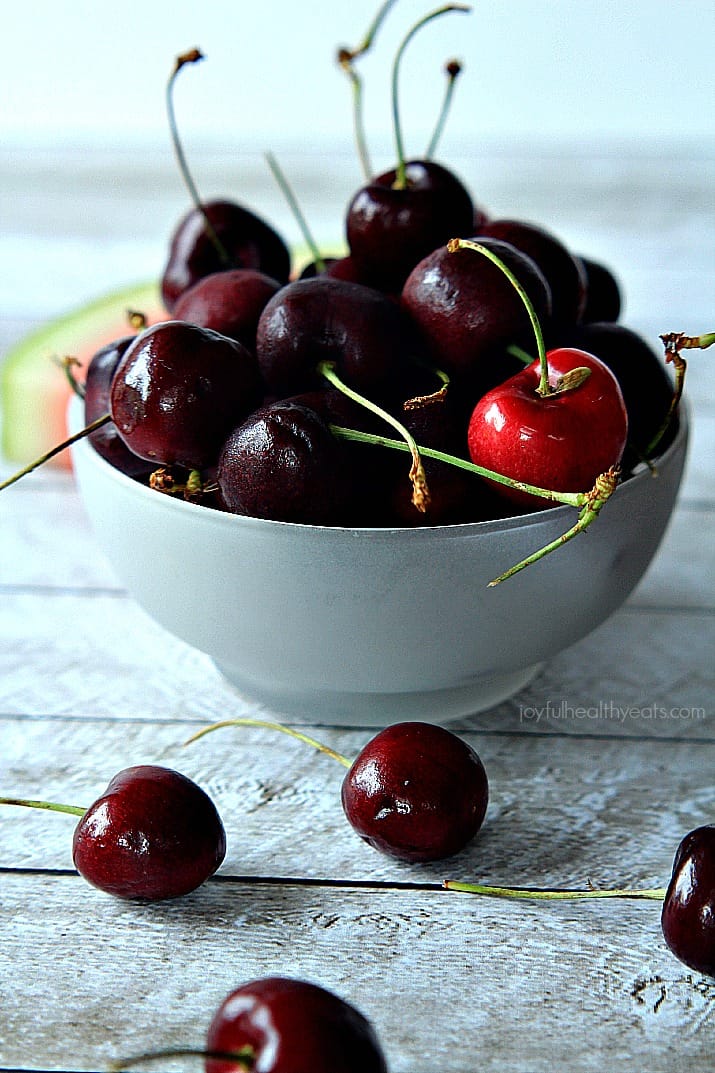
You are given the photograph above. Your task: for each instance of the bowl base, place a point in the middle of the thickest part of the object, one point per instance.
(382, 709)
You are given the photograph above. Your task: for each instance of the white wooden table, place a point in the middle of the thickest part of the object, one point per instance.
(89, 685)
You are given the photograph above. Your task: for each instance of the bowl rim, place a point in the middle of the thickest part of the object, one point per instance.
(75, 421)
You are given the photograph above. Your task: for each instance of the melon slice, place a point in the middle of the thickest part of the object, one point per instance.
(34, 391)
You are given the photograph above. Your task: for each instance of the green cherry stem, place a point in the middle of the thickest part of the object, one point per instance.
(455, 244)
(453, 69)
(401, 171)
(420, 491)
(192, 56)
(589, 503)
(346, 58)
(68, 364)
(268, 725)
(48, 806)
(103, 420)
(292, 200)
(243, 1060)
(525, 894)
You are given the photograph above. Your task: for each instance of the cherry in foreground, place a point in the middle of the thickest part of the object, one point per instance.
(416, 791)
(282, 1025)
(688, 916)
(153, 834)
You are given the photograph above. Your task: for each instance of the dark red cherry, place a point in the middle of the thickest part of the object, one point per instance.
(336, 267)
(153, 834)
(417, 792)
(179, 390)
(642, 375)
(688, 916)
(246, 240)
(563, 272)
(283, 463)
(363, 331)
(229, 303)
(283, 1025)
(603, 293)
(106, 440)
(390, 229)
(469, 312)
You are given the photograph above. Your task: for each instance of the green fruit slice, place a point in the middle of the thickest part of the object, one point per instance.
(34, 391)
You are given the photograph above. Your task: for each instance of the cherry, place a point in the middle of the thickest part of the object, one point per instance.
(323, 319)
(106, 439)
(417, 792)
(283, 1025)
(560, 438)
(228, 302)
(469, 312)
(644, 381)
(603, 293)
(688, 915)
(245, 239)
(390, 227)
(152, 834)
(179, 390)
(283, 463)
(563, 272)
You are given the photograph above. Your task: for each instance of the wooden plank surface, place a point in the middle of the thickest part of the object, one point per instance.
(596, 769)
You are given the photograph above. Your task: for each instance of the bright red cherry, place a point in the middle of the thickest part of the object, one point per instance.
(560, 440)
(281, 1025)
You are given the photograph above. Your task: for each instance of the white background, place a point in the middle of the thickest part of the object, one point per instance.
(605, 69)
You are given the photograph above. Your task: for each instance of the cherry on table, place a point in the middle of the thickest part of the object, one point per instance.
(416, 791)
(284, 1025)
(153, 834)
(688, 915)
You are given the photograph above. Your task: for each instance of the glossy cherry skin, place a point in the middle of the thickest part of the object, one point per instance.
(283, 463)
(179, 390)
(561, 442)
(229, 302)
(562, 271)
(153, 834)
(248, 241)
(604, 301)
(642, 375)
(389, 230)
(106, 440)
(688, 915)
(469, 312)
(363, 331)
(416, 792)
(292, 1026)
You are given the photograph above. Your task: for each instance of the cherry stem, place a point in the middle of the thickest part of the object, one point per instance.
(523, 893)
(68, 364)
(193, 56)
(103, 420)
(674, 342)
(48, 806)
(290, 197)
(589, 503)
(401, 170)
(346, 57)
(420, 491)
(245, 1058)
(246, 722)
(455, 244)
(453, 69)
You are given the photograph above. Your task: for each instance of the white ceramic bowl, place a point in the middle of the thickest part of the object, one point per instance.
(366, 627)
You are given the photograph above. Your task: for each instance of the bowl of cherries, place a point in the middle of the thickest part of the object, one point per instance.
(362, 488)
